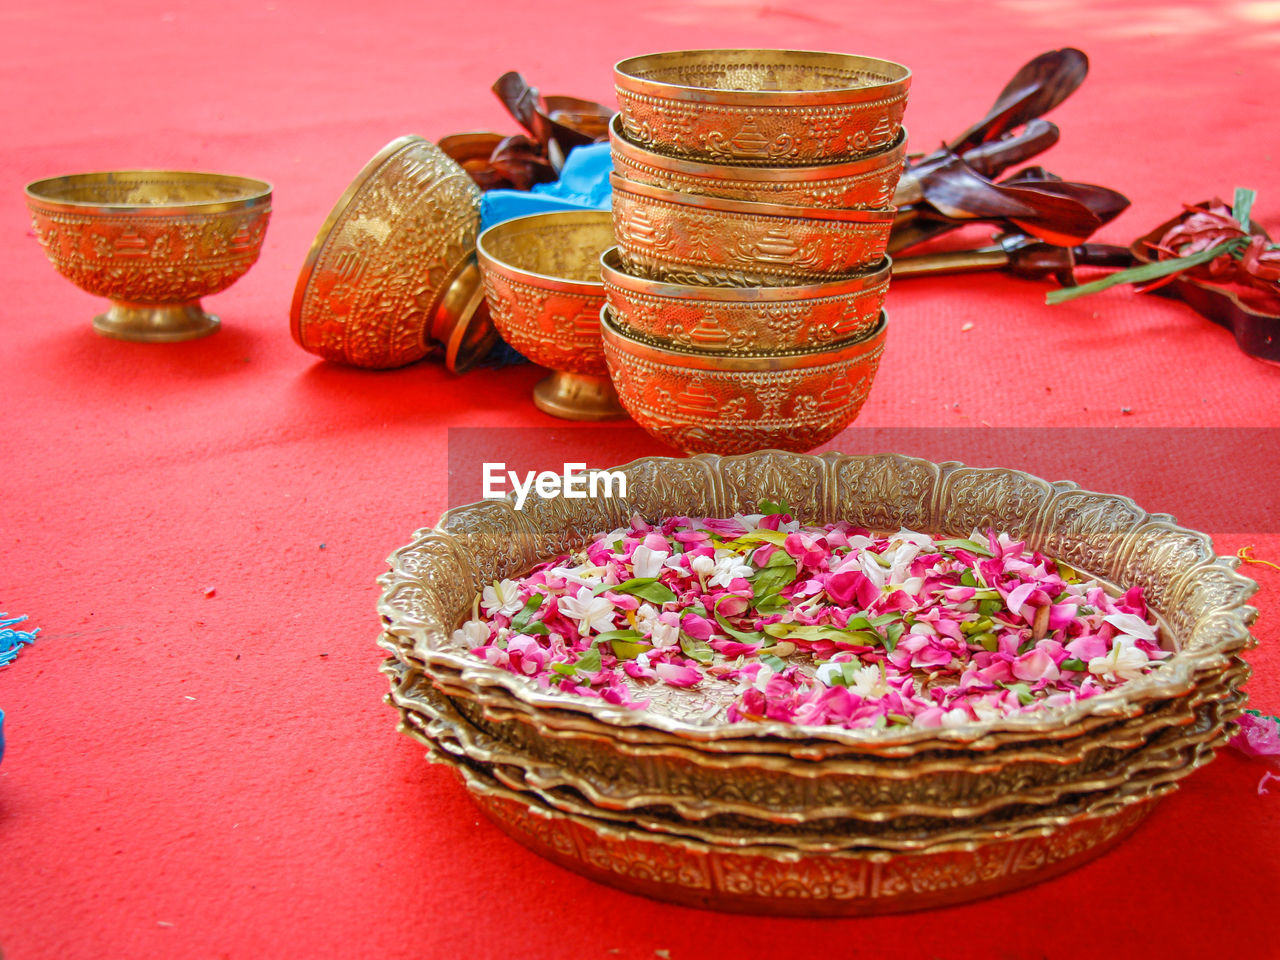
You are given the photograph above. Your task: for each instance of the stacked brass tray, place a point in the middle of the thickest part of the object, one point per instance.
(674, 802)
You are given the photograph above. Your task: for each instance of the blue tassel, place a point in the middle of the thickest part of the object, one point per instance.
(11, 641)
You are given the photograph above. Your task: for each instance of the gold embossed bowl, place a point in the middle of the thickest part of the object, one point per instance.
(746, 320)
(152, 241)
(863, 184)
(700, 403)
(771, 107)
(709, 241)
(392, 277)
(542, 282)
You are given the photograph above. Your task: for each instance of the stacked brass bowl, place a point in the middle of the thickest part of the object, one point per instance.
(752, 208)
(672, 801)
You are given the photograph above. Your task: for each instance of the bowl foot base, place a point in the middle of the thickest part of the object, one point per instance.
(578, 396)
(156, 323)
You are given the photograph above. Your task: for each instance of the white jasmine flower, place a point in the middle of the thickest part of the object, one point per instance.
(591, 613)
(584, 576)
(646, 562)
(473, 633)
(502, 598)
(1125, 661)
(955, 717)
(664, 634)
(868, 682)
(702, 565)
(728, 568)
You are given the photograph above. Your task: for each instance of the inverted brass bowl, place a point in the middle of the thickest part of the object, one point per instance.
(153, 242)
(542, 282)
(772, 107)
(709, 241)
(731, 320)
(715, 403)
(392, 276)
(864, 184)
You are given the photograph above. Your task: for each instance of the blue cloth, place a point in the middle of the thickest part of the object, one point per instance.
(583, 185)
(11, 641)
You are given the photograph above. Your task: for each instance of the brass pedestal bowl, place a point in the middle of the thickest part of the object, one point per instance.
(771, 107)
(392, 277)
(717, 403)
(746, 320)
(709, 241)
(152, 241)
(542, 282)
(866, 183)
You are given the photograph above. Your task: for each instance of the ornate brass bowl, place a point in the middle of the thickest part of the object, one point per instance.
(772, 107)
(863, 184)
(687, 238)
(748, 320)
(152, 241)
(392, 275)
(542, 282)
(714, 403)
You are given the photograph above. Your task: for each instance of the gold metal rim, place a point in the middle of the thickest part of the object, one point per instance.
(630, 342)
(254, 193)
(488, 260)
(754, 208)
(748, 173)
(897, 83)
(322, 237)
(614, 273)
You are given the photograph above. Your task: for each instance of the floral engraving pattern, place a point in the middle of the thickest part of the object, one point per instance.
(657, 239)
(387, 260)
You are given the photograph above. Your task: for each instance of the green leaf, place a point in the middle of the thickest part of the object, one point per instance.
(589, 662)
(967, 579)
(988, 641)
(1022, 690)
(564, 669)
(773, 603)
(768, 507)
(629, 650)
(696, 649)
(973, 546)
(537, 628)
(811, 632)
(1074, 664)
(531, 606)
(776, 664)
(759, 535)
(1145, 272)
(892, 634)
(773, 577)
(989, 608)
(1242, 206)
(646, 588)
(625, 634)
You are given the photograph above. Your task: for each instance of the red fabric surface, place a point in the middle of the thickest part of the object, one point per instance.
(199, 762)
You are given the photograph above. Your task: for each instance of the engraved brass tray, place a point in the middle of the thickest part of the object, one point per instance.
(1200, 597)
(674, 802)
